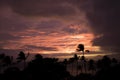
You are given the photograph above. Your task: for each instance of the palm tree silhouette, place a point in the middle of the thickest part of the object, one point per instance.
(80, 47)
(22, 57)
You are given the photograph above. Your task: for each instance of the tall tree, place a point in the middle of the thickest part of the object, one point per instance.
(80, 47)
(91, 65)
(76, 58)
(8, 60)
(2, 56)
(22, 57)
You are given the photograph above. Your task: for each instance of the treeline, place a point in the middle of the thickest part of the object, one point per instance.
(40, 68)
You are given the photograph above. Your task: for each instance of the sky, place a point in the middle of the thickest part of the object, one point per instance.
(58, 26)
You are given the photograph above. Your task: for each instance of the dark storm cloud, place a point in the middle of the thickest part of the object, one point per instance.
(11, 22)
(45, 7)
(41, 48)
(42, 7)
(104, 17)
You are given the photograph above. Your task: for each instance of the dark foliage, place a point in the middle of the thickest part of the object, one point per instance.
(51, 69)
(111, 73)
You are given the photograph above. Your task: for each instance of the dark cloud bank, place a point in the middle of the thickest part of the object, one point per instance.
(104, 18)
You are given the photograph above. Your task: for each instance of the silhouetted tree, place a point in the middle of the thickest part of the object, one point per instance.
(38, 58)
(71, 61)
(111, 73)
(65, 62)
(22, 57)
(2, 56)
(46, 69)
(99, 64)
(114, 62)
(84, 63)
(80, 47)
(91, 65)
(103, 63)
(76, 58)
(8, 60)
(80, 67)
(106, 62)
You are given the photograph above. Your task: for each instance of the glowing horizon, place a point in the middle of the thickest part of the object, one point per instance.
(64, 43)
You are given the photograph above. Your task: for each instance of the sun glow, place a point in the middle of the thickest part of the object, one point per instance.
(53, 43)
(68, 44)
(41, 41)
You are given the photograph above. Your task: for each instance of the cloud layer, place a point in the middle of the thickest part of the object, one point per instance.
(59, 24)
(104, 19)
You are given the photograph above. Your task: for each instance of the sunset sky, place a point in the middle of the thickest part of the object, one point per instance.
(58, 26)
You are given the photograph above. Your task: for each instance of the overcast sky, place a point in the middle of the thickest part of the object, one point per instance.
(58, 26)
